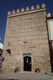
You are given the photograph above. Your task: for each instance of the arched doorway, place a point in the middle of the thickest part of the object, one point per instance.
(27, 63)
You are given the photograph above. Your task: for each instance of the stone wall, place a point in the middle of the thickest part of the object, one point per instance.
(26, 33)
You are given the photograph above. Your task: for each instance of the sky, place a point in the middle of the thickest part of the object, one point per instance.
(8, 5)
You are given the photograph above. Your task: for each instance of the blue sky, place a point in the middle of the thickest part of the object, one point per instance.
(6, 5)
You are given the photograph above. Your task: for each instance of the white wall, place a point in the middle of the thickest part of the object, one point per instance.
(50, 28)
(1, 45)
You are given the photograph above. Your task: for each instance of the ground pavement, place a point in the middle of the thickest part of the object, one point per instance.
(26, 76)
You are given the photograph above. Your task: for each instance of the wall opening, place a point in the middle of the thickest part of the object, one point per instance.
(27, 63)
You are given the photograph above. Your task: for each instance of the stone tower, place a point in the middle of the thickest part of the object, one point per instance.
(26, 40)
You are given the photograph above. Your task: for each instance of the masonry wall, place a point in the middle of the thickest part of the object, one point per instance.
(27, 33)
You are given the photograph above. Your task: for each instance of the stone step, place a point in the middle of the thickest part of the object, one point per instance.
(26, 76)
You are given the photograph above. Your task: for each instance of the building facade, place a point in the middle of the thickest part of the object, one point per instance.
(50, 29)
(26, 40)
(1, 48)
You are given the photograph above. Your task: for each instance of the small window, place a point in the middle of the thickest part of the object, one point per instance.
(9, 51)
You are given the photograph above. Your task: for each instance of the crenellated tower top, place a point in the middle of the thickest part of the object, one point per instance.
(27, 10)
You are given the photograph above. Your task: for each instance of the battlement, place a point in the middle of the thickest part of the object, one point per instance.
(49, 15)
(27, 10)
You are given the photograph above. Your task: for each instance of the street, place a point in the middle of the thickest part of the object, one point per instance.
(26, 76)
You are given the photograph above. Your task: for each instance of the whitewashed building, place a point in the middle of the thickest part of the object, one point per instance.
(1, 47)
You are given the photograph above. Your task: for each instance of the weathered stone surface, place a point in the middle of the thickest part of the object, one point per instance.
(29, 28)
